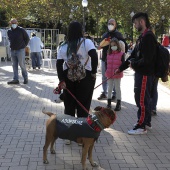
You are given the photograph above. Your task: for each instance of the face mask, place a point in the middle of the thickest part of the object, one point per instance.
(14, 26)
(110, 27)
(114, 48)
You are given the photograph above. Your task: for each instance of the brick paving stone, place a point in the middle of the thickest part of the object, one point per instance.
(22, 128)
(4, 168)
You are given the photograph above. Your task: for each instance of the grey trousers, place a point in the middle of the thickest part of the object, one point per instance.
(111, 83)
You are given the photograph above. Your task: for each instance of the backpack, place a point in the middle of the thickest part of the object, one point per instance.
(76, 70)
(162, 60)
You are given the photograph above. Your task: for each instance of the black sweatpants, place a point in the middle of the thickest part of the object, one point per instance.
(143, 91)
(82, 90)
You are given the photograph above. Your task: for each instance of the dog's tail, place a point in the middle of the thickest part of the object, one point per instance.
(47, 113)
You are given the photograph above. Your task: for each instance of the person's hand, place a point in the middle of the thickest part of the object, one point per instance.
(131, 62)
(93, 76)
(62, 85)
(99, 48)
(117, 71)
(130, 65)
(107, 39)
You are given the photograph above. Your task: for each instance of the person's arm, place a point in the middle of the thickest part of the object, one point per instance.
(123, 58)
(41, 44)
(60, 71)
(60, 63)
(25, 37)
(104, 36)
(94, 60)
(125, 64)
(148, 49)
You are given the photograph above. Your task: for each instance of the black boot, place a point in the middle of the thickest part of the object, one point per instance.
(118, 106)
(109, 103)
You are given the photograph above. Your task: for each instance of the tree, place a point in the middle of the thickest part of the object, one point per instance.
(48, 13)
(3, 19)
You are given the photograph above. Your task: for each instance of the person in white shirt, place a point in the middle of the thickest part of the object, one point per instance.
(81, 89)
(35, 48)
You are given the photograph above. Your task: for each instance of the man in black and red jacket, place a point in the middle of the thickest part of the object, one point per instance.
(142, 61)
(111, 33)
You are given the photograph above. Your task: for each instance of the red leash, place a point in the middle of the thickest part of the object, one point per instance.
(104, 81)
(58, 91)
(77, 100)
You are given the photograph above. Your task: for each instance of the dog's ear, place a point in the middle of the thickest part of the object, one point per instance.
(111, 113)
(98, 108)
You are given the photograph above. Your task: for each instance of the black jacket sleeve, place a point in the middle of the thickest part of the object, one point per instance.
(25, 37)
(147, 48)
(123, 58)
(125, 65)
(60, 70)
(143, 56)
(94, 60)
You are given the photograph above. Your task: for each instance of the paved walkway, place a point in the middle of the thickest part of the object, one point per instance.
(22, 128)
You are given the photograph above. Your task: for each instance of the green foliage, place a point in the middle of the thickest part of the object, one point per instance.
(3, 19)
(48, 13)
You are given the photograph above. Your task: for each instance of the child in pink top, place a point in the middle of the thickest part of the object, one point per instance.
(115, 57)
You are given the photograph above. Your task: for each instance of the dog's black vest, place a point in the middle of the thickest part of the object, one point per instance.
(69, 127)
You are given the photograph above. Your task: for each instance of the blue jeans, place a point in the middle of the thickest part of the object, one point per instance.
(18, 57)
(104, 85)
(35, 57)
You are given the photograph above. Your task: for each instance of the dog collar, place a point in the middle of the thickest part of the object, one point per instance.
(94, 122)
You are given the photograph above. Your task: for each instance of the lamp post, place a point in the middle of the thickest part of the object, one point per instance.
(131, 15)
(84, 4)
(61, 24)
(97, 18)
(162, 19)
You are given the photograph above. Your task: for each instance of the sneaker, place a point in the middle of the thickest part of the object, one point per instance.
(148, 126)
(67, 142)
(25, 81)
(102, 97)
(153, 113)
(13, 82)
(137, 130)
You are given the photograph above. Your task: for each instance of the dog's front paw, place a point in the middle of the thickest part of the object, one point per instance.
(85, 168)
(53, 151)
(46, 161)
(94, 164)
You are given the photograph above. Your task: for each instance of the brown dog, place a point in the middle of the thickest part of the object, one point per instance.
(80, 130)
